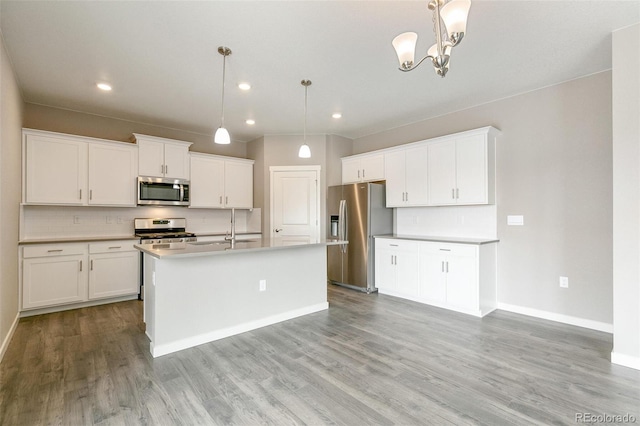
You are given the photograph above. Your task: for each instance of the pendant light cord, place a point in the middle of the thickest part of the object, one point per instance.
(305, 114)
(224, 68)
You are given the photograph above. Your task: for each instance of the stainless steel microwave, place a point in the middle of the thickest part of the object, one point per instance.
(162, 191)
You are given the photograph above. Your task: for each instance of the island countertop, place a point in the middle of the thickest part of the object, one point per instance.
(208, 248)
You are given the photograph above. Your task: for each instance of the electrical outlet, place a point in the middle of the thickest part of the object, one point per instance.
(564, 282)
(76, 219)
(263, 285)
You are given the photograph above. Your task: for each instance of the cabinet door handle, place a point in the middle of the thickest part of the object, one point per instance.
(393, 245)
(81, 266)
(392, 259)
(407, 196)
(91, 264)
(453, 193)
(444, 249)
(442, 266)
(362, 173)
(91, 194)
(81, 194)
(115, 247)
(166, 169)
(457, 193)
(54, 251)
(226, 200)
(221, 200)
(447, 267)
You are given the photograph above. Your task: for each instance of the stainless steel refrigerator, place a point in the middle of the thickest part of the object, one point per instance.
(356, 212)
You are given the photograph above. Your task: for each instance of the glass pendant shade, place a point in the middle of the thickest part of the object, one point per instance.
(454, 15)
(305, 151)
(433, 50)
(222, 136)
(405, 46)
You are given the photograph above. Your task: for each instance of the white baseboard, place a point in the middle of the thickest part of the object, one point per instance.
(178, 345)
(552, 316)
(7, 339)
(625, 360)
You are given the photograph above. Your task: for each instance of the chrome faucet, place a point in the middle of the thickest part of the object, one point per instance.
(232, 238)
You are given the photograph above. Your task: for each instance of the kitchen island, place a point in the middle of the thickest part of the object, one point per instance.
(204, 291)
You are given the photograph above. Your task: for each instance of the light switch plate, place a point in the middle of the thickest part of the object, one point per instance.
(564, 282)
(515, 220)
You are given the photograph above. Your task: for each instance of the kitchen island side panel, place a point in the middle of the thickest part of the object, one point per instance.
(201, 299)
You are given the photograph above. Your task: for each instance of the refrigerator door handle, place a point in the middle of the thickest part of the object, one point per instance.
(342, 220)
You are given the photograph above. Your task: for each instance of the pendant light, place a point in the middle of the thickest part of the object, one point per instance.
(305, 151)
(222, 135)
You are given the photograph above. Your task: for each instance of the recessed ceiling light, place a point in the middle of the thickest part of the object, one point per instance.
(250, 122)
(337, 115)
(244, 86)
(104, 86)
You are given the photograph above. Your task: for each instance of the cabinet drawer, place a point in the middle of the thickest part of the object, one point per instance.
(394, 244)
(46, 250)
(449, 249)
(112, 246)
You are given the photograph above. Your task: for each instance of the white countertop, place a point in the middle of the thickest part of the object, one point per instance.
(89, 238)
(86, 239)
(458, 240)
(196, 248)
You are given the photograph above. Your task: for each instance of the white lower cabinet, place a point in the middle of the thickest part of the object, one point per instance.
(65, 274)
(54, 275)
(449, 275)
(396, 267)
(456, 276)
(114, 270)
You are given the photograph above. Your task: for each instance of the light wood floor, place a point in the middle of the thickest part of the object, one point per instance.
(369, 359)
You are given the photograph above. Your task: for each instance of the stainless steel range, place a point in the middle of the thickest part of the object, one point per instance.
(162, 231)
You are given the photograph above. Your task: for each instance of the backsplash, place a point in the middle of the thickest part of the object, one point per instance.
(61, 221)
(449, 221)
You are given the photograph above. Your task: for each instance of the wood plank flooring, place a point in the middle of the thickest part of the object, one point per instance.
(369, 359)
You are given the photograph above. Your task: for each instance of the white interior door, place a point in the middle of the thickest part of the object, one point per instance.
(295, 203)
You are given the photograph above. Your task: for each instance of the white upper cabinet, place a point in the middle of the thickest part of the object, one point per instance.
(160, 157)
(238, 184)
(457, 169)
(113, 169)
(72, 170)
(406, 175)
(207, 181)
(363, 168)
(221, 182)
(55, 169)
(461, 171)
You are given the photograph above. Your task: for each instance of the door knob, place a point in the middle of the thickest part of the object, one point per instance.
(277, 230)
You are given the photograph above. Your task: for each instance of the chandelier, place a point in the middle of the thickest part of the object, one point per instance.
(449, 26)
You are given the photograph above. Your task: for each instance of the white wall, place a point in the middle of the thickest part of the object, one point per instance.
(11, 113)
(554, 167)
(626, 197)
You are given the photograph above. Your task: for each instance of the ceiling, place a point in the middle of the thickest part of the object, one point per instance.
(161, 59)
